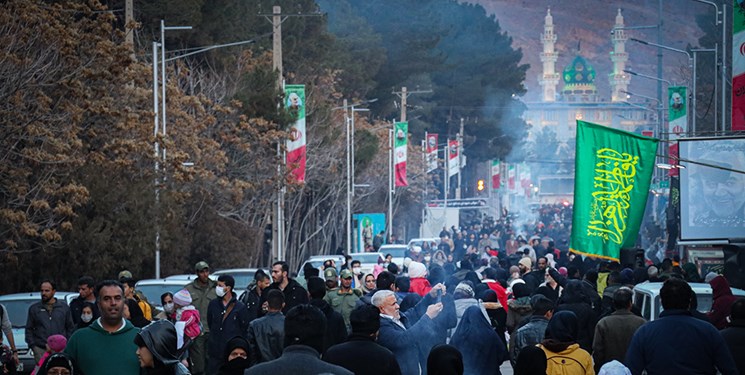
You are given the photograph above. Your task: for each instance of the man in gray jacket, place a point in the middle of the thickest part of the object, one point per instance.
(48, 317)
(532, 332)
(614, 332)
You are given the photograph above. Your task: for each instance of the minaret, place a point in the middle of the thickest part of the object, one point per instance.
(550, 78)
(619, 80)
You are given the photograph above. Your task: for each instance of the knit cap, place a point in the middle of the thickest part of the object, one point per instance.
(465, 289)
(417, 269)
(710, 276)
(57, 343)
(182, 298)
(525, 261)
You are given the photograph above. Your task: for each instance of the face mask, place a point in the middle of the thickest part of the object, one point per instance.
(427, 258)
(220, 291)
(356, 270)
(168, 307)
(86, 318)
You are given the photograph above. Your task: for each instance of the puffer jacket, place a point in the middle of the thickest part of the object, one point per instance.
(518, 309)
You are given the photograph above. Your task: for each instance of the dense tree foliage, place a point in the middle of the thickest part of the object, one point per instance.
(80, 191)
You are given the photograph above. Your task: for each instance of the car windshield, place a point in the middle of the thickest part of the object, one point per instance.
(366, 258)
(18, 311)
(242, 278)
(153, 292)
(398, 252)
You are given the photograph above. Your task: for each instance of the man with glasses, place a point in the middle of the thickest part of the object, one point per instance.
(202, 291)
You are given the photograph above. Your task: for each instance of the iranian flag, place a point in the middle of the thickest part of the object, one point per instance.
(738, 67)
(400, 134)
(295, 104)
(511, 177)
(495, 174)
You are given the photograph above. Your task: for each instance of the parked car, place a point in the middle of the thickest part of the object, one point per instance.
(154, 288)
(17, 307)
(242, 276)
(399, 252)
(317, 261)
(368, 261)
(647, 298)
(433, 242)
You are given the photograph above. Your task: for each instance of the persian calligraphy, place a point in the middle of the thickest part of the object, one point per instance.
(612, 185)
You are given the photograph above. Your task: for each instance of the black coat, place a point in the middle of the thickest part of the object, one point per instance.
(294, 293)
(734, 336)
(336, 330)
(363, 356)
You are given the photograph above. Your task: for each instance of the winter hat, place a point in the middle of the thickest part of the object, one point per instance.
(57, 360)
(710, 276)
(416, 249)
(514, 269)
(465, 289)
(520, 290)
(614, 368)
(525, 261)
(417, 269)
(563, 271)
(182, 298)
(57, 343)
(652, 271)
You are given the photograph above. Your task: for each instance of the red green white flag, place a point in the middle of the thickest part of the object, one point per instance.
(400, 143)
(295, 104)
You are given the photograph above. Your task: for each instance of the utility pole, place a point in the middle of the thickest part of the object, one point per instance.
(129, 36)
(404, 94)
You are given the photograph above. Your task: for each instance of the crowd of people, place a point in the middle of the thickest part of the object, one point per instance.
(481, 305)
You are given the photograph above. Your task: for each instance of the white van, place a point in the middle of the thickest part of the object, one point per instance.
(647, 298)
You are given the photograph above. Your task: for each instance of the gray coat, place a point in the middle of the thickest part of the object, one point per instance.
(297, 359)
(613, 335)
(42, 323)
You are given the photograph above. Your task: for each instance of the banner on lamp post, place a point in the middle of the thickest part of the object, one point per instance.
(738, 67)
(431, 151)
(453, 158)
(613, 174)
(296, 152)
(677, 121)
(495, 175)
(400, 142)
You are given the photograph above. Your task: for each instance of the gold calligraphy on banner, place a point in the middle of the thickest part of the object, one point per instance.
(612, 185)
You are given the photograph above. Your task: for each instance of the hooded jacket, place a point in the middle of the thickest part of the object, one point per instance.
(96, 351)
(160, 339)
(721, 304)
(483, 351)
(563, 354)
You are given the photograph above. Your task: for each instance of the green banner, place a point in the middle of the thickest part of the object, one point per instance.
(613, 173)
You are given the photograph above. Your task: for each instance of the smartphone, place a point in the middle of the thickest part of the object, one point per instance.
(439, 295)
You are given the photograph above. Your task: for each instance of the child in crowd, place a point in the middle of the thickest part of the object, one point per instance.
(186, 316)
(55, 344)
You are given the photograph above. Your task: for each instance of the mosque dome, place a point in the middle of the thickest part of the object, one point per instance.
(579, 72)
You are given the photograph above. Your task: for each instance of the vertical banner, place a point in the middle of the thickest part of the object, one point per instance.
(511, 177)
(611, 185)
(453, 159)
(401, 134)
(431, 150)
(368, 225)
(738, 66)
(677, 127)
(495, 182)
(295, 103)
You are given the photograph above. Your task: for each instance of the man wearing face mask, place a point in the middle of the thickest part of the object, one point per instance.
(358, 275)
(344, 298)
(227, 317)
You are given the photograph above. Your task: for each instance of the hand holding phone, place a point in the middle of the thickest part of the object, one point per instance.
(439, 295)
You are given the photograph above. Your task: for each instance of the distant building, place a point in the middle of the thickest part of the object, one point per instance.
(578, 99)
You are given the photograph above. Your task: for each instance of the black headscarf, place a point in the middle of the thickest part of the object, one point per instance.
(482, 349)
(57, 360)
(237, 365)
(160, 339)
(531, 361)
(444, 359)
(561, 331)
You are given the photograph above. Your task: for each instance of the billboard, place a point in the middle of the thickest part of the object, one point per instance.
(712, 188)
(368, 225)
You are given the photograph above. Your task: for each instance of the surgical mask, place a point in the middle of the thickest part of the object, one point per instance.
(427, 258)
(220, 291)
(86, 317)
(356, 270)
(168, 307)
